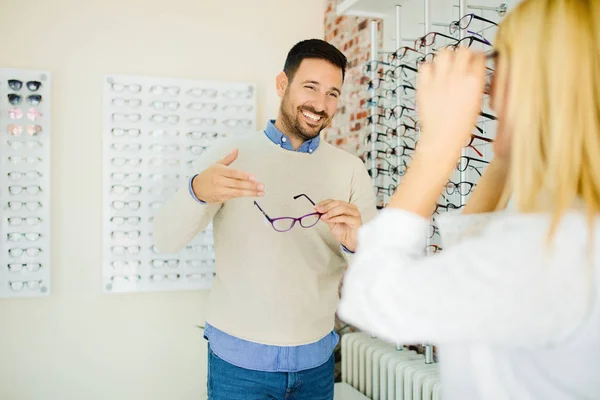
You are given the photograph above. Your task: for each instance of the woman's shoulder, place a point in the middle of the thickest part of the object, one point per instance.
(572, 228)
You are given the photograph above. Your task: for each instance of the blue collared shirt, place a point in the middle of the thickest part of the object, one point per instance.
(260, 357)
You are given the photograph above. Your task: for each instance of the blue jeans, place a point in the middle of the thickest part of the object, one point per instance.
(228, 382)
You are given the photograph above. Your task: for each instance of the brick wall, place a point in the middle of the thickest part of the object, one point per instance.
(352, 36)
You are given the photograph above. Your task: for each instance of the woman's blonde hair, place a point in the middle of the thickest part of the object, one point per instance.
(549, 61)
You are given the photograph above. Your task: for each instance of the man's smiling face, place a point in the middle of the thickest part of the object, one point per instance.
(311, 98)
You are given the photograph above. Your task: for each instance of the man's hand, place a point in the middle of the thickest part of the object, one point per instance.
(343, 220)
(219, 182)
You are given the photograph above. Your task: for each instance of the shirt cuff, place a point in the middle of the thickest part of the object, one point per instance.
(346, 250)
(191, 189)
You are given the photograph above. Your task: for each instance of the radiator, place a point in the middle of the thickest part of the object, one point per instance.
(382, 371)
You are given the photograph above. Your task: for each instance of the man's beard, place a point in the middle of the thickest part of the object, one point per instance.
(291, 120)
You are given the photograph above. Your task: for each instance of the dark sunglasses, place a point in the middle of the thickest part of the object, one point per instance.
(16, 85)
(16, 99)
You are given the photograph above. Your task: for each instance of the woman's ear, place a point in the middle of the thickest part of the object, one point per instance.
(281, 83)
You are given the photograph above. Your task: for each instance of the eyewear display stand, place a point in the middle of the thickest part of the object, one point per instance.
(474, 30)
(155, 129)
(25, 124)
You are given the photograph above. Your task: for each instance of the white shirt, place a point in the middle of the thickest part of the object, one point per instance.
(513, 317)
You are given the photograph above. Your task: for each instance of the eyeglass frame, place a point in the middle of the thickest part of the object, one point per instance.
(299, 219)
(392, 75)
(393, 151)
(429, 57)
(433, 231)
(456, 24)
(471, 39)
(456, 188)
(434, 247)
(390, 133)
(394, 113)
(421, 42)
(448, 207)
(389, 190)
(391, 170)
(406, 49)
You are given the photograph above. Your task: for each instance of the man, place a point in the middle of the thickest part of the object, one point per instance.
(279, 256)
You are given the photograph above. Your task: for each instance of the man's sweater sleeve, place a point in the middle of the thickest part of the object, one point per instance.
(362, 195)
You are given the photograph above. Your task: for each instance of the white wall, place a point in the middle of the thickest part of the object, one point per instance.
(79, 343)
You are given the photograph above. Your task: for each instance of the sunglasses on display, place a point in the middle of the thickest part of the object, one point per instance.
(31, 130)
(16, 99)
(16, 85)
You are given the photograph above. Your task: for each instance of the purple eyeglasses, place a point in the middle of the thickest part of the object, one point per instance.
(284, 224)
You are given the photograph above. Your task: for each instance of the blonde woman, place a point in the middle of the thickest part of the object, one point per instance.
(513, 299)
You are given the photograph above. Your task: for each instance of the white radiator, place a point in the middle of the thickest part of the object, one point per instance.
(380, 371)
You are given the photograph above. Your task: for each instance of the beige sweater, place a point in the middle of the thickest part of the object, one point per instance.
(272, 288)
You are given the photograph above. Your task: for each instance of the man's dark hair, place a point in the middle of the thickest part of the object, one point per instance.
(313, 48)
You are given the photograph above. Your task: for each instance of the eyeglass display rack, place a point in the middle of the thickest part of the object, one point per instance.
(25, 252)
(154, 129)
(393, 127)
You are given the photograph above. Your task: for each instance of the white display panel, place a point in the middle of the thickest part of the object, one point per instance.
(154, 131)
(25, 252)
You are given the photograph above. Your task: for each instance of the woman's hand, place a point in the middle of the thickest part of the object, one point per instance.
(449, 94)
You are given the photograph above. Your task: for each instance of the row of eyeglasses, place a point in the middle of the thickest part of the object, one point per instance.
(24, 239)
(394, 128)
